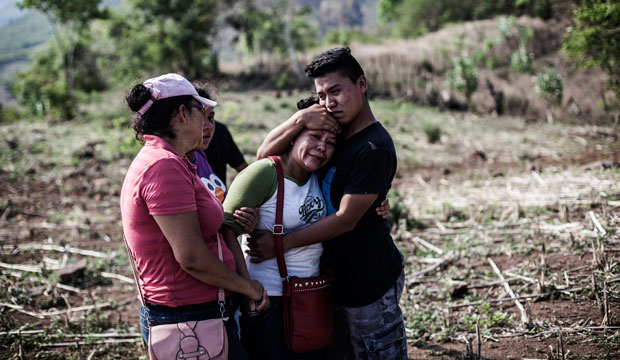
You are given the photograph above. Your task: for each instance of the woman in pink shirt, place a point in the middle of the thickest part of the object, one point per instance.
(170, 219)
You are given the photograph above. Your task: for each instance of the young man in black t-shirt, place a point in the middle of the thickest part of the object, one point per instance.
(358, 248)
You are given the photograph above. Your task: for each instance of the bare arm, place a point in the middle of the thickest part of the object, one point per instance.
(352, 208)
(231, 241)
(183, 234)
(315, 117)
(241, 166)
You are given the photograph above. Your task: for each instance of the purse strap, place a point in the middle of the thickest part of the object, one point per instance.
(278, 227)
(221, 296)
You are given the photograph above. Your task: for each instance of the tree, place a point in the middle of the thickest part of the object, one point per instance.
(156, 36)
(275, 28)
(549, 86)
(41, 90)
(595, 39)
(74, 16)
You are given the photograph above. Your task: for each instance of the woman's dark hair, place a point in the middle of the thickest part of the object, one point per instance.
(307, 102)
(156, 120)
(337, 59)
(201, 89)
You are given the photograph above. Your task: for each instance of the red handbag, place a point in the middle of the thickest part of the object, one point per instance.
(307, 302)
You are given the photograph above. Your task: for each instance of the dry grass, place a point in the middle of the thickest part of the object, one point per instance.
(415, 69)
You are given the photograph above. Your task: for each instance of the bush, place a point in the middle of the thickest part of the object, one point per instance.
(549, 86)
(433, 133)
(42, 89)
(521, 60)
(463, 76)
(505, 25)
(8, 114)
(399, 213)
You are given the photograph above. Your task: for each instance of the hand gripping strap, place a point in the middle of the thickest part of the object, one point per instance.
(278, 227)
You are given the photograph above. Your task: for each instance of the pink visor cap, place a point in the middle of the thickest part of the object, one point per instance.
(171, 85)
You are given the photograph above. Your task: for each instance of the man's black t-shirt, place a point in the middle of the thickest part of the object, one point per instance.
(365, 261)
(222, 150)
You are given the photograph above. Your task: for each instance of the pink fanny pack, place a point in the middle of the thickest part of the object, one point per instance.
(205, 339)
(193, 340)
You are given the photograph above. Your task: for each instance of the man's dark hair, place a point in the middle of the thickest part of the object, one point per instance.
(337, 59)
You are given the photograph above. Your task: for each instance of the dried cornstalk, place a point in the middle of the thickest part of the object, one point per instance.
(109, 341)
(561, 340)
(479, 338)
(595, 291)
(118, 277)
(596, 223)
(474, 303)
(26, 268)
(509, 290)
(68, 249)
(528, 311)
(427, 245)
(606, 317)
(446, 258)
(538, 179)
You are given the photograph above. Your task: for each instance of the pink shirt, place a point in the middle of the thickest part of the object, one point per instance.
(159, 182)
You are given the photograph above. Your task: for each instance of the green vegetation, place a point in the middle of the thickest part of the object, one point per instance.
(595, 41)
(549, 85)
(276, 28)
(433, 133)
(399, 213)
(521, 60)
(417, 17)
(44, 91)
(463, 77)
(488, 319)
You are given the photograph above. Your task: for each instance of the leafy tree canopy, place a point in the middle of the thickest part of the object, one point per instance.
(595, 40)
(263, 28)
(67, 10)
(154, 36)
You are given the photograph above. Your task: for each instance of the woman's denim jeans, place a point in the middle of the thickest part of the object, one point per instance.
(262, 335)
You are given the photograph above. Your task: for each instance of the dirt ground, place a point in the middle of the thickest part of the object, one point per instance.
(534, 218)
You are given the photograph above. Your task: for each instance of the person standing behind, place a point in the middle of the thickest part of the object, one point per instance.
(222, 149)
(358, 247)
(247, 218)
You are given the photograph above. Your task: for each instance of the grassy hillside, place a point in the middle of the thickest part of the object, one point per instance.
(415, 70)
(20, 36)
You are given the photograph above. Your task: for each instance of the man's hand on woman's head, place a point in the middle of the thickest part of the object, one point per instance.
(316, 117)
(247, 218)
